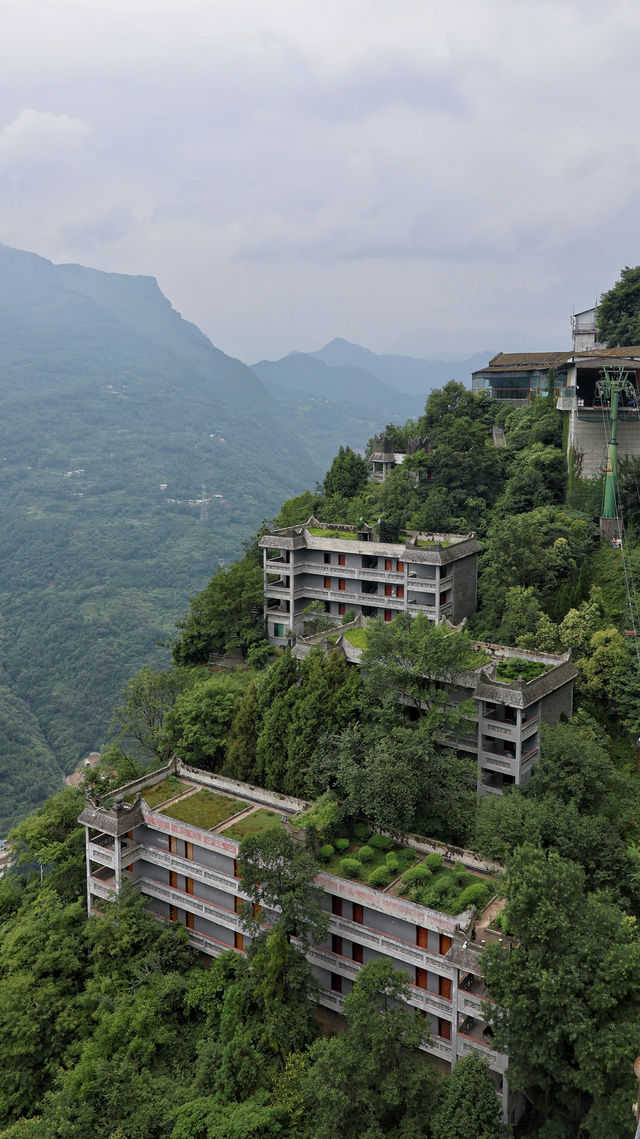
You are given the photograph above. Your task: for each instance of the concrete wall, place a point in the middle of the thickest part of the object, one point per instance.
(588, 439)
(465, 587)
(556, 703)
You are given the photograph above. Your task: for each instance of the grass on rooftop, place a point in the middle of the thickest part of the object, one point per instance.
(449, 889)
(321, 532)
(203, 809)
(261, 820)
(168, 789)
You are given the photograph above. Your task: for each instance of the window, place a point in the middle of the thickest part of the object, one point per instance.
(387, 590)
(342, 609)
(400, 591)
(444, 987)
(173, 844)
(445, 943)
(278, 630)
(173, 880)
(422, 937)
(388, 615)
(358, 913)
(388, 563)
(188, 885)
(336, 983)
(336, 944)
(444, 1028)
(400, 566)
(238, 941)
(341, 583)
(327, 559)
(356, 953)
(188, 850)
(336, 906)
(443, 599)
(327, 583)
(341, 560)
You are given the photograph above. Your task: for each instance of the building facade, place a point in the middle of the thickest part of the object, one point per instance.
(189, 874)
(503, 735)
(349, 570)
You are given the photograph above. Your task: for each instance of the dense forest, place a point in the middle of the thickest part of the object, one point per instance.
(111, 1027)
(116, 414)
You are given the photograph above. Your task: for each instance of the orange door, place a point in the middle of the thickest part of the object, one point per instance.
(445, 943)
(422, 937)
(444, 987)
(421, 978)
(444, 1028)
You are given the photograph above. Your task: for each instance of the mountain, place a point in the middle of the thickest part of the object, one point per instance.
(406, 373)
(116, 412)
(330, 405)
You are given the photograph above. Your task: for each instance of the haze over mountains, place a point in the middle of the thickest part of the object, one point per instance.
(116, 412)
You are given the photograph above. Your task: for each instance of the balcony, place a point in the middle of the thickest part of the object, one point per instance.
(355, 573)
(195, 870)
(402, 951)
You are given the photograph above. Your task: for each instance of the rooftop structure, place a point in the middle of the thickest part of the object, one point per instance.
(175, 834)
(584, 329)
(384, 457)
(349, 569)
(513, 691)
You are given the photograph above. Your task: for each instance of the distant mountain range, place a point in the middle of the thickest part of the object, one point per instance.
(115, 413)
(345, 383)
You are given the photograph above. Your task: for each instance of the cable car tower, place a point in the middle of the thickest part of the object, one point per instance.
(609, 388)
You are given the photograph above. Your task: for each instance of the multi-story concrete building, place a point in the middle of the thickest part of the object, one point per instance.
(503, 734)
(351, 570)
(187, 870)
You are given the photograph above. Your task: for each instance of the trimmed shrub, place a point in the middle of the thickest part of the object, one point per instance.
(434, 861)
(380, 876)
(361, 832)
(402, 887)
(392, 861)
(477, 894)
(349, 867)
(406, 855)
(459, 874)
(415, 894)
(381, 842)
(366, 854)
(326, 852)
(341, 844)
(417, 874)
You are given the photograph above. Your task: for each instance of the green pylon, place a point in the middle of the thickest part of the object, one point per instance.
(610, 387)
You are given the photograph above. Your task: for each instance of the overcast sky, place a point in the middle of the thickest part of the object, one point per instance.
(421, 176)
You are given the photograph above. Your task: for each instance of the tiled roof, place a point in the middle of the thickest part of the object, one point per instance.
(527, 360)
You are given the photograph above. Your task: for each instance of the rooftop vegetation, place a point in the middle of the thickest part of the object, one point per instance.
(258, 821)
(323, 532)
(204, 809)
(168, 789)
(450, 889)
(376, 861)
(519, 666)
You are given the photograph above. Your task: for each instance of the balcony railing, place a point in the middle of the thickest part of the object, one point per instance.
(403, 951)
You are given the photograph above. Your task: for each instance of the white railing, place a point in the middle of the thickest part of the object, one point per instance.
(191, 903)
(496, 1060)
(195, 870)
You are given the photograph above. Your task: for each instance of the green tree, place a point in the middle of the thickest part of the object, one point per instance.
(52, 839)
(140, 718)
(370, 1080)
(198, 724)
(347, 475)
(468, 1107)
(568, 997)
(619, 311)
(226, 615)
(279, 876)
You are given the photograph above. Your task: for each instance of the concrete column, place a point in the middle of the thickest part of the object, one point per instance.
(87, 840)
(265, 604)
(117, 869)
(454, 1017)
(437, 593)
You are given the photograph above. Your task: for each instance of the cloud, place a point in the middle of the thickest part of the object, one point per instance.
(37, 139)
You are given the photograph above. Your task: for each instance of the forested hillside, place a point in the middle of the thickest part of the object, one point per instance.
(116, 412)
